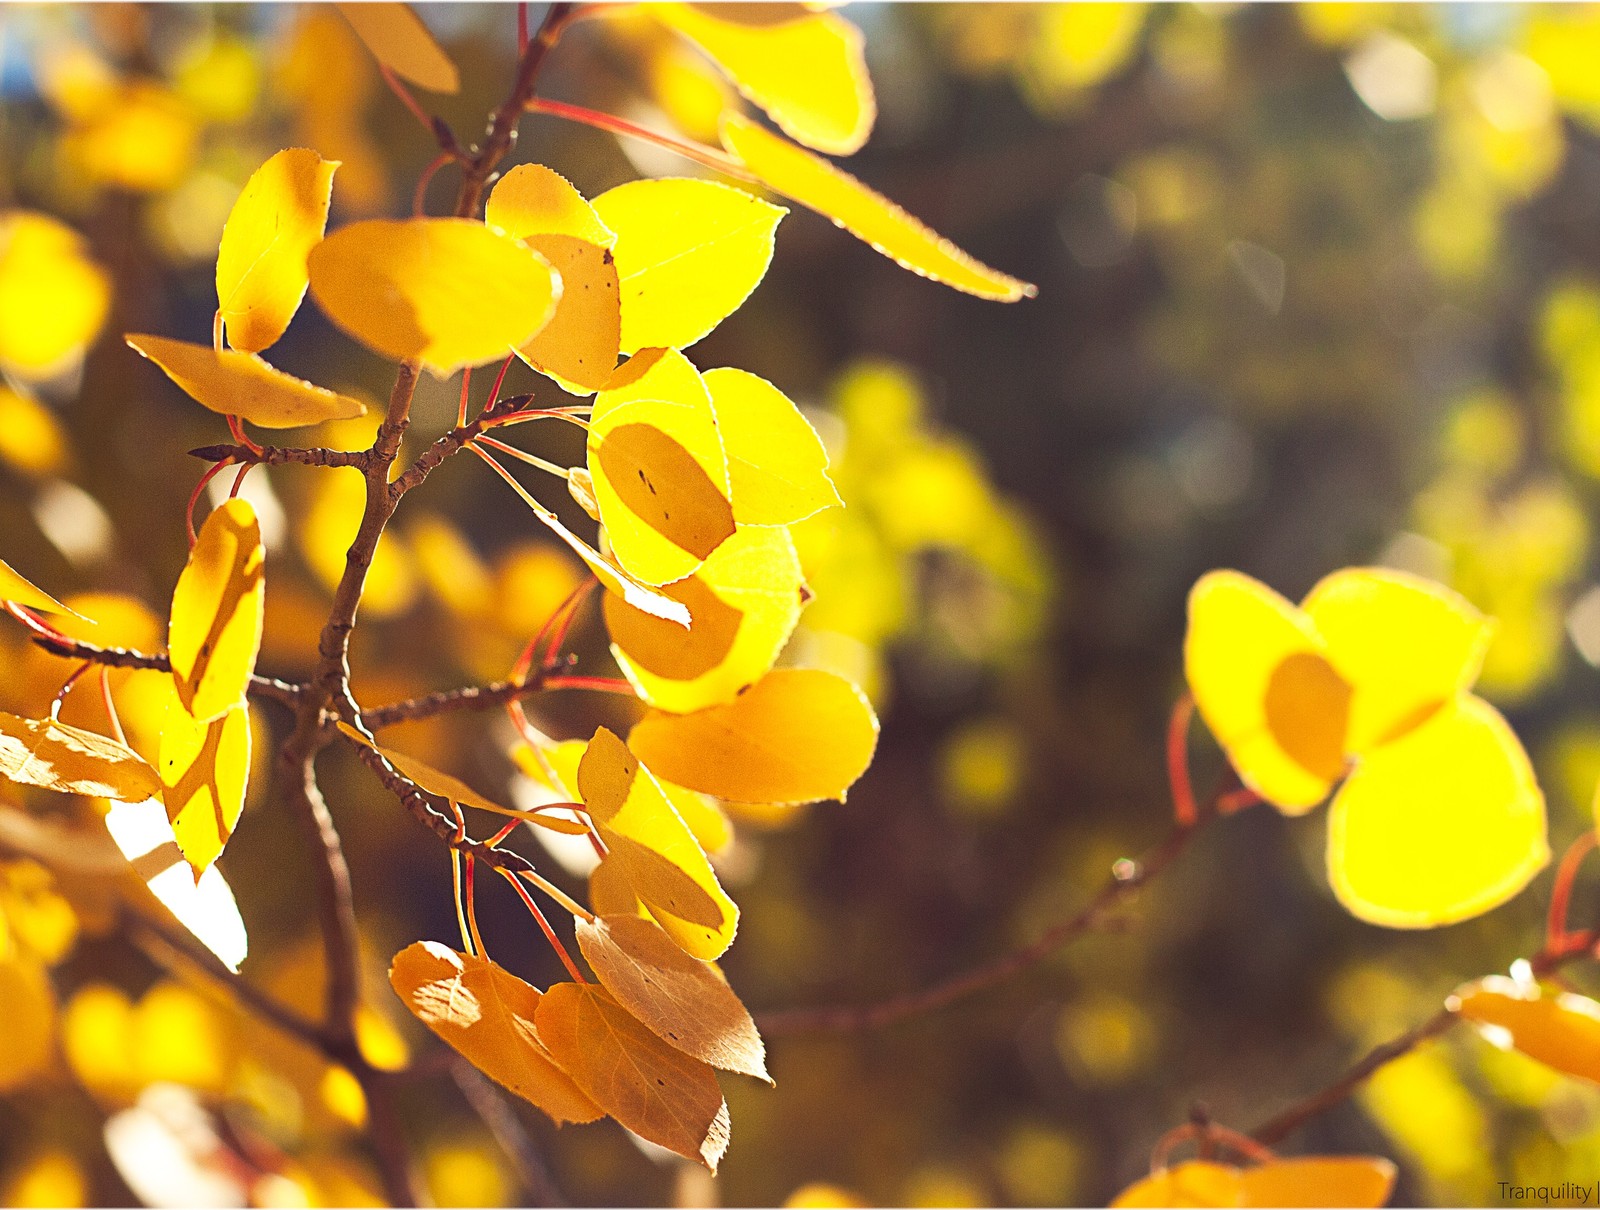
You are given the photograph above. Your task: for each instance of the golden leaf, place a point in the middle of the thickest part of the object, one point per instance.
(205, 767)
(578, 347)
(20, 591)
(777, 466)
(52, 755)
(1560, 1030)
(232, 383)
(400, 41)
(218, 610)
(534, 200)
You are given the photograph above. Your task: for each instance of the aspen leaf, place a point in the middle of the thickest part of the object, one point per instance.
(869, 216)
(652, 845)
(205, 767)
(53, 297)
(682, 1000)
(261, 264)
(688, 253)
(20, 591)
(655, 1090)
(579, 346)
(42, 752)
(1310, 1181)
(1193, 1183)
(487, 1014)
(232, 383)
(777, 466)
(534, 200)
(1439, 825)
(653, 374)
(1560, 1030)
(744, 602)
(611, 894)
(218, 610)
(805, 68)
(400, 41)
(796, 735)
(445, 786)
(660, 482)
(446, 292)
(30, 1016)
(206, 907)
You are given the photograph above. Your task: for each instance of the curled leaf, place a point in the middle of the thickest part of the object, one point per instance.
(232, 383)
(42, 752)
(818, 185)
(261, 264)
(400, 41)
(218, 610)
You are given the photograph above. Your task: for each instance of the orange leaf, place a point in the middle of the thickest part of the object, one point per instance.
(1561, 1030)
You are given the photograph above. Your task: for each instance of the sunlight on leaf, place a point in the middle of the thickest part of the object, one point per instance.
(487, 1014)
(797, 735)
(261, 264)
(54, 756)
(443, 291)
(805, 68)
(579, 346)
(400, 41)
(1560, 1029)
(21, 591)
(232, 383)
(817, 184)
(653, 1089)
(688, 253)
(1311, 1181)
(534, 200)
(777, 465)
(205, 767)
(218, 612)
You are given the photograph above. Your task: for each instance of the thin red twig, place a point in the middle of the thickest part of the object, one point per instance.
(544, 927)
(194, 498)
(522, 29)
(466, 385)
(236, 427)
(419, 196)
(600, 684)
(1184, 808)
(698, 152)
(1557, 936)
(238, 480)
(500, 379)
(406, 99)
(66, 687)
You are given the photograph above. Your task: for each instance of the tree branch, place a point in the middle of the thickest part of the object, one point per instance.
(278, 455)
(285, 692)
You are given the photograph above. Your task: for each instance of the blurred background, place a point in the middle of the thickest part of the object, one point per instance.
(1319, 286)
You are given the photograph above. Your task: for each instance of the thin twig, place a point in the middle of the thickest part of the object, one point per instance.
(278, 455)
(288, 693)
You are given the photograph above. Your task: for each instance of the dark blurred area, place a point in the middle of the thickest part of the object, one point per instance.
(1317, 288)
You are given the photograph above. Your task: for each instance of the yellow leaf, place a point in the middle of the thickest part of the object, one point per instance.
(777, 466)
(30, 1015)
(261, 264)
(1439, 825)
(206, 907)
(534, 200)
(42, 752)
(53, 297)
(682, 1000)
(232, 383)
(218, 610)
(32, 440)
(743, 604)
(796, 735)
(1310, 1181)
(48, 1177)
(688, 253)
(611, 894)
(1403, 644)
(446, 292)
(817, 184)
(488, 1014)
(1260, 676)
(653, 1089)
(702, 815)
(652, 845)
(578, 347)
(653, 374)
(400, 41)
(805, 68)
(20, 591)
(660, 483)
(1561, 1030)
(1195, 1183)
(205, 767)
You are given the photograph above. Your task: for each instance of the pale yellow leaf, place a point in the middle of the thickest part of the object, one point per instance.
(653, 1089)
(488, 1014)
(777, 466)
(52, 755)
(818, 185)
(446, 292)
(796, 735)
(205, 767)
(688, 253)
(241, 384)
(218, 610)
(400, 41)
(681, 999)
(261, 264)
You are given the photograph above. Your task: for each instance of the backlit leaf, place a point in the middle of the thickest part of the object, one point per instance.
(688, 253)
(218, 610)
(579, 346)
(681, 999)
(487, 1014)
(233, 383)
(205, 767)
(261, 264)
(534, 200)
(400, 41)
(41, 752)
(817, 184)
(796, 735)
(1309, 1181)
(1194, 1183)
(654, 848)
(805, 68)
(20, 591)
(653, 1089)
(30, 1016)
(53, 297)
(1261, 679)
(777, 465)
(1439, 825)
(443, 291)
(743, 604)
(1560, 1029)
(205, 907)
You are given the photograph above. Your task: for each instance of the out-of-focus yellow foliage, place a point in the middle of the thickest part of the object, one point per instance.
(53, 296)
(45, 1178)
(1421, 1103)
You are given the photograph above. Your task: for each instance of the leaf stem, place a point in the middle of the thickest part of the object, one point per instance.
(611, 123)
